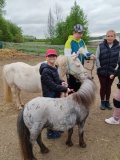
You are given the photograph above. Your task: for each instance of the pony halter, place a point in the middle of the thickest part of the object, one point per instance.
(69, 69)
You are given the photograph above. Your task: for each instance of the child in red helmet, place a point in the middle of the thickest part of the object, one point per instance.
(52, 85)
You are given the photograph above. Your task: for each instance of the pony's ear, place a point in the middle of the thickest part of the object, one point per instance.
(81, 50)
(74, 56)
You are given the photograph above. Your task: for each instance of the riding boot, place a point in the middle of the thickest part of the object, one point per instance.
(107, 105)
(102, 107)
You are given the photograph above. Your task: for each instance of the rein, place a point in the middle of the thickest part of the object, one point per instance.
(91, 69)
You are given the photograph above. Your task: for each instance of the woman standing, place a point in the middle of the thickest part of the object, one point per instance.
(107, 55)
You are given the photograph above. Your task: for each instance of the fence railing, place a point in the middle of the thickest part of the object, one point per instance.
(37, 48)
(34, 48)
(28, 45)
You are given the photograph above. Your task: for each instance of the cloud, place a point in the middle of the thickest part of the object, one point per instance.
(32, 15)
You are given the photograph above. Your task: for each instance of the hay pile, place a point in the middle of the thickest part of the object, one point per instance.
(11, 53)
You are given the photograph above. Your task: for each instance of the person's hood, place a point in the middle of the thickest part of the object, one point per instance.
(71, 37)
(45, 65)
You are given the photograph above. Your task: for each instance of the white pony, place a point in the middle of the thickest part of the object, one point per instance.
(54, 113)
(20, 76)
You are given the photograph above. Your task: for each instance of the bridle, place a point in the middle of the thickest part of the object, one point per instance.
(70, 70)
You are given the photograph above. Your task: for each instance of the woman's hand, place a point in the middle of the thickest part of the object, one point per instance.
(92, 57)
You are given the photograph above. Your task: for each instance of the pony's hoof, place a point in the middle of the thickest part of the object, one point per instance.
(45, 150)
(83, 145)
(70, 144)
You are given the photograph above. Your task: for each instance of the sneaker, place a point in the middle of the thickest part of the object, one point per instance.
(53, 135)
(112, 121)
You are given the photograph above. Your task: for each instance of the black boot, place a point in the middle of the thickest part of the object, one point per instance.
(102, 107)
(107, 105)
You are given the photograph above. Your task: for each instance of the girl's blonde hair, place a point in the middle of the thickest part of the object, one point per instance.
(111, 31)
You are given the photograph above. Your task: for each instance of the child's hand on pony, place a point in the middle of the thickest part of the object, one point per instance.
(65, 94)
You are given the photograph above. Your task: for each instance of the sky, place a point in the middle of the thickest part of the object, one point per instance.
(32, 15)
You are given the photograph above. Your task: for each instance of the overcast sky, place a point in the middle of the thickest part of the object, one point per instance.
(32, 15)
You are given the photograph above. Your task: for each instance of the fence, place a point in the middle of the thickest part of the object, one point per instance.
(34, 48)
(37, 48)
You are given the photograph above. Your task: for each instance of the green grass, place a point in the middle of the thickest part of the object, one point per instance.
(40, 47)
(42, 50)
(92, 50)
(37, 42)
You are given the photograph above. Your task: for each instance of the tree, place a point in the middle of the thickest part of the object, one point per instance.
(15, 31)
(53, 20)
(4, 27)
(18, 38)
(2, 4)
(76, 16)
(9, 31)
(60, 34)
(58, 13)
(1, 34)
(51, 29)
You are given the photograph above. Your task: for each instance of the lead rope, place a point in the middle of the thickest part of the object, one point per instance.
(91, 69)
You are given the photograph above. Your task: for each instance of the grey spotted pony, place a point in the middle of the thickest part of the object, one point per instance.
(58, 114)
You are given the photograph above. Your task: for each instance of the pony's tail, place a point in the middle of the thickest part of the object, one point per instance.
(7, 91)
(24, 137)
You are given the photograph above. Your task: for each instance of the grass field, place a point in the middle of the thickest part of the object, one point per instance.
(39, 47)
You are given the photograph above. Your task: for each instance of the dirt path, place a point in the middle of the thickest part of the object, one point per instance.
(103, 140)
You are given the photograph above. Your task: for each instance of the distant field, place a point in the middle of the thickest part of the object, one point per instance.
(39, 47)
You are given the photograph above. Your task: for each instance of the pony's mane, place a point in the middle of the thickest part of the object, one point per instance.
(61, 60)
(86, 94)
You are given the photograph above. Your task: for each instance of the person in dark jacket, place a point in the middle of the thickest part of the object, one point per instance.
(115, 119)
(52, 85)
(107, 55)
